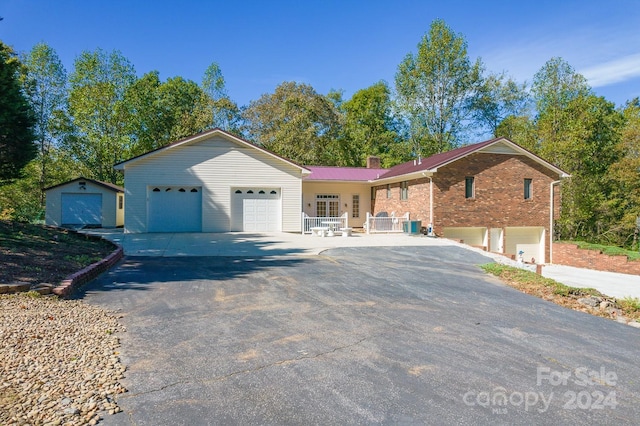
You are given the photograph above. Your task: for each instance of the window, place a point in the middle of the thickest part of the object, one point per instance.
(120, 202)
(355, 206)
(388, 191)
(327, 205)
(527, 189)
(404, 190)
(469, 187)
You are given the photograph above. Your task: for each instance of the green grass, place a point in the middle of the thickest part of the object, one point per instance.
(609, 250)
(525, 277)
(537, 285)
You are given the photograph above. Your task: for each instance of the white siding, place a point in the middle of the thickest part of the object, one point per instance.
(216, 165)
(110, 216)
(346, 191)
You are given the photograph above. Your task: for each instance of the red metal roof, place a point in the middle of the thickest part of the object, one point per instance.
(344, 173)
(434, 161)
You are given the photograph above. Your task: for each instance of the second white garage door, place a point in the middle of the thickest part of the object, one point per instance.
(256, 209)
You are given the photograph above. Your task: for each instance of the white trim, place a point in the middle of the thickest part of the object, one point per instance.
(203, 136)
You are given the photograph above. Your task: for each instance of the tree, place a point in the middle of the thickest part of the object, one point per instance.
(45, 83)
(17, 120)
(587, 143)
(497, 98)
(98, 86)
(370, 128)
(434, 87)
(225, 114)
(297, 123)
(625, 175)
(158, 113)
(554, 86)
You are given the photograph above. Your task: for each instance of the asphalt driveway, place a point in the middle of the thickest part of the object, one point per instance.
(395, 335)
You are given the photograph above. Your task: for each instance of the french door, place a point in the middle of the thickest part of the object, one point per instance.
(327, 205)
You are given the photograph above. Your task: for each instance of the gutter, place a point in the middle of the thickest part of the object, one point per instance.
(551, 209)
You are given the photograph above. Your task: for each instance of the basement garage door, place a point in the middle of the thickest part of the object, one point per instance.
(175, 209)
(471, 236)
(529, 239)
(256, 209)
(81, 209)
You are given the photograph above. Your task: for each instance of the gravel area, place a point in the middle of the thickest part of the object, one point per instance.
(59, 361)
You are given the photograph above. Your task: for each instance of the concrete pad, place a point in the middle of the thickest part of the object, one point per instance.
(610, 283)
(248, 244)
(253, 244)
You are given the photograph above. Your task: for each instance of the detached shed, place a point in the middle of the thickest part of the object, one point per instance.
(85, 201)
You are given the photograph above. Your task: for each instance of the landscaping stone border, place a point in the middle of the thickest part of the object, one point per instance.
(83, 276)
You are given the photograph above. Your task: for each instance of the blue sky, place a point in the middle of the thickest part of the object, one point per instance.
(329, 44)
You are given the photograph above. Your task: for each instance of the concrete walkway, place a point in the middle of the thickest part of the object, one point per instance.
(246, 244)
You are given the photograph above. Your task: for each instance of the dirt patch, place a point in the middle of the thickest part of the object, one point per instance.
(39, 254)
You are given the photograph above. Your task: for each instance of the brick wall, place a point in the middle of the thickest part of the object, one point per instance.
(571, 255)
(499, 194)
(417, 203)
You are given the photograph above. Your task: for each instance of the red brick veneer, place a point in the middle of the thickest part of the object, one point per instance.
(571, 255)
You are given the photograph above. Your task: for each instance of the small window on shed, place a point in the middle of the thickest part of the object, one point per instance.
(156, 189)
(194, 190)
(120, 202)
(238, 191)
(181, 190)
(388, 191)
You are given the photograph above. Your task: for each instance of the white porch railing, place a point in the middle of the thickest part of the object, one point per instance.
(384, 223)
(309, 222)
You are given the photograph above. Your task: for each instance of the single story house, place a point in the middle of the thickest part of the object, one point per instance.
(86, 202)
(493, 194)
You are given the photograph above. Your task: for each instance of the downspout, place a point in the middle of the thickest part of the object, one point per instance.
(431, 203)
(551, 219)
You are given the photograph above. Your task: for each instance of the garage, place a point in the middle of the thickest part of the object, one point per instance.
(256, 209)
(529, 239)
(175, 209)
(85, 202)
(82, 209)
(473, 236)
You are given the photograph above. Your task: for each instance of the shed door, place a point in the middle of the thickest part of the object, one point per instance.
(175, 209)
(256, 210)
(81, 209)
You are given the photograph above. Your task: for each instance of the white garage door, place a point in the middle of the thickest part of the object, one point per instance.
(256, 209)
(82, 209)
(529, 239)
(468, 235)
(175, 209)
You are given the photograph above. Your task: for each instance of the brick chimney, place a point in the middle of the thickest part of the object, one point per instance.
(373, 162)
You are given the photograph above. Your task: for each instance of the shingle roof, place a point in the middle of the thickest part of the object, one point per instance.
(344, 173)
(110, 186)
